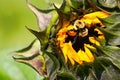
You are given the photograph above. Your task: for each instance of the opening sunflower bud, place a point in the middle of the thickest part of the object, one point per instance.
(76, 38)
(77, 35)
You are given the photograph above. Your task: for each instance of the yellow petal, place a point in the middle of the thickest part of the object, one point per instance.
(71, 59)
(92, 17)
(68, 52)
(82, 56)
(89, 54)
(89, 46)
(64, 49)
(94, 41)
(86, 55)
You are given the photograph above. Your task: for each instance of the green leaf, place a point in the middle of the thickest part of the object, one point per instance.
(110, 73)
(115, 28)
(52, 66)
(112, 34)
(112, 53)
(110, 20)
(90, 77)
(98, 66)
(66, 76)
(112, 29)
(83, 71)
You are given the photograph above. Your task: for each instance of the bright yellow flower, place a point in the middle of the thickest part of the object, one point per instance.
(76, 39)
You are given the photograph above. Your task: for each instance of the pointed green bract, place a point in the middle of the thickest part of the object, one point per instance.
(53, 66)
(112, 29)
(113, 54)
(30, 51)
(42, 37)
(66, 76)
(42, 17)
(32, 56)
(37, 63)
(112, 19)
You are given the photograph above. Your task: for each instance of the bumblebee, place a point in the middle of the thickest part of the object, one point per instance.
(80, 35)
(80, 27)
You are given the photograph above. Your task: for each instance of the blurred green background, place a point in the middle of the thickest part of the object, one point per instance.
(14, 16)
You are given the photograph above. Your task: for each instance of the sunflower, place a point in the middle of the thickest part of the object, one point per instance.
(79, 41)
(76, 38)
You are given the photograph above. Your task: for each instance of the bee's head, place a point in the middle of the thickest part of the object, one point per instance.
(78, 24)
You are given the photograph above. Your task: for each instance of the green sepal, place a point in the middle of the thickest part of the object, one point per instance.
(64, 7)
(54, 19)
(61, 15)
(75, 3)
(36, 63)
(105, 73)
(30, 51)
(98, 67)
(83, 70)
(92, 71)
(65, 76)
(42, 37)
(43, 16)
(52, 65)
(90, 77)
(112, 53)
(52, 23)
(32, 57)
(110, 73)
(112, 34)
(111, 31)
(110, 20)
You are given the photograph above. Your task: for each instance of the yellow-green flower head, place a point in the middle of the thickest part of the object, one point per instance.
(78, 37)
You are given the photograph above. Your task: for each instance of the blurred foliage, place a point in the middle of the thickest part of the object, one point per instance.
(14, 16)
